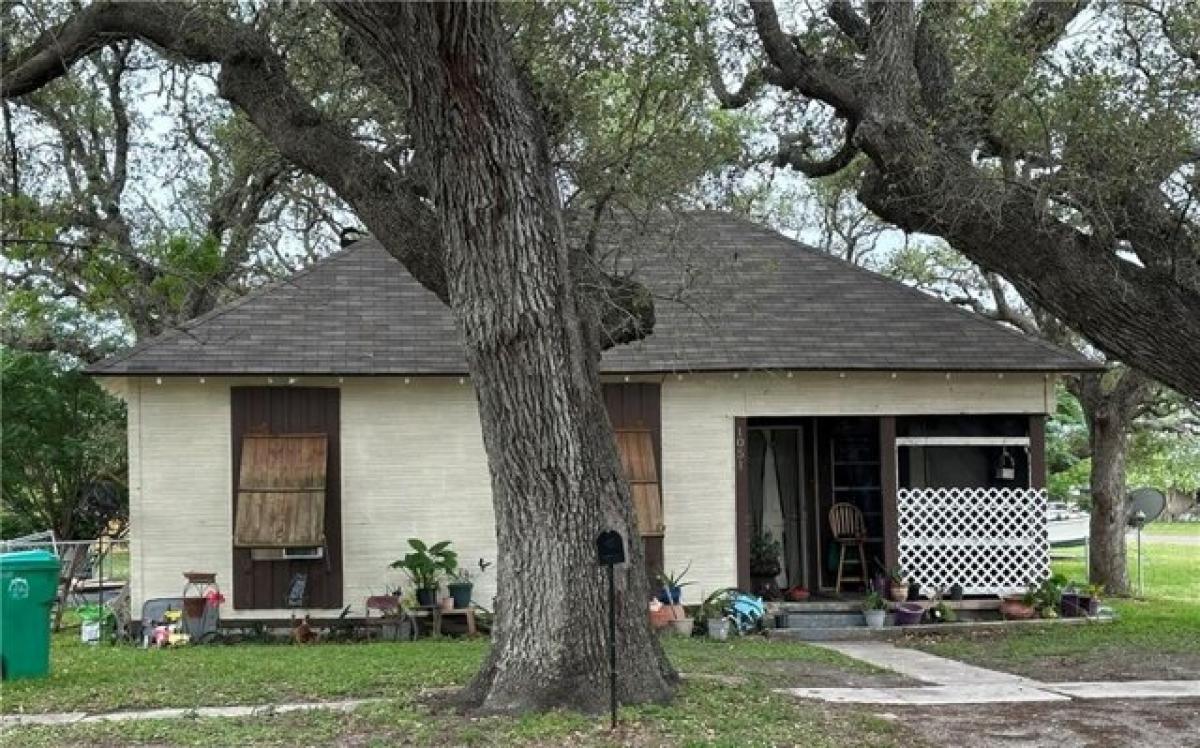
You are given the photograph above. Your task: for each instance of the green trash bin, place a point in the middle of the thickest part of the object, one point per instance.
(28, 585)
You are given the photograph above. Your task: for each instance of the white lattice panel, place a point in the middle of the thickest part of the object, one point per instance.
(989, 540)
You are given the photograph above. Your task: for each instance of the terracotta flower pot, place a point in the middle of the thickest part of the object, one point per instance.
(898, 592)
(1015, 609)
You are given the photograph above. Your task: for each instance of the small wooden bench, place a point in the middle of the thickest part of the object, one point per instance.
(437, 614)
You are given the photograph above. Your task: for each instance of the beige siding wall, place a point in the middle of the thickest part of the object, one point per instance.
(179, 485)
(413, 465)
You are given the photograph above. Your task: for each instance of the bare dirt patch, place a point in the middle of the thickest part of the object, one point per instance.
(1102, 661)
(1074, 724)
(1109, 665)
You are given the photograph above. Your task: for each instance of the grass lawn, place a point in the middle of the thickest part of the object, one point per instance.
(1173, 528)
(712, 708)
(1158, 637)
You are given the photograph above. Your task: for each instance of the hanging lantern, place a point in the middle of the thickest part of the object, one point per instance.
(1008, 466)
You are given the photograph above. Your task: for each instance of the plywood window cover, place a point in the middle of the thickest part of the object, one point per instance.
(636, 447)
(281, 491)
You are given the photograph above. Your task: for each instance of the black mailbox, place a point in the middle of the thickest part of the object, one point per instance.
(610, 547)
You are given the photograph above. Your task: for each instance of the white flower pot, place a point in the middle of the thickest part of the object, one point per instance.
(718, 629)
(683, 626)
(874, 618)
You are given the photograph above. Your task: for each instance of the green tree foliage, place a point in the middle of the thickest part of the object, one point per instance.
(625, 94)
(62, 460)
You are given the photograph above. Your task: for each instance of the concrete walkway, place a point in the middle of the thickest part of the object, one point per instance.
(261, 710)
(954, 682)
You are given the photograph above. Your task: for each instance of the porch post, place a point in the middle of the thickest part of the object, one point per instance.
(889, 478)
(741, 503)
(1037, 451)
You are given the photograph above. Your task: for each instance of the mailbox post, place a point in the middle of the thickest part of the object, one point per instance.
(610, 551)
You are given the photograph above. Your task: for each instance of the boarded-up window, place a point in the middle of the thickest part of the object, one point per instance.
(281, 491)
(633, 407)
(641, 470)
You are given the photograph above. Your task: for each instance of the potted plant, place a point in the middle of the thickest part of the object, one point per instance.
(764, 565)
(874, 610)
(897, 584)
(907, 614)
(461, 585)
(1071, 596)
(683, 626)
(940, 611)
(715, 612)
(1089, 599)
(1048, 597)
(914, 590)
(1019, 607)
(672, 586)
(426, 565)
(797, 594)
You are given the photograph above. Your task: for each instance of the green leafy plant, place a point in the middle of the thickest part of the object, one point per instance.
(1046, 596)
(897, 575)
(463, 575)
(874, 601)
(715, 606)
(675, 579)
(941, 612)
(427, 564)
(764, 555)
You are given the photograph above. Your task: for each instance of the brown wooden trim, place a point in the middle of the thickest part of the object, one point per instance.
(636, 407)
(741, 502)
(259, 584)
(1037, 451)
(889, 478)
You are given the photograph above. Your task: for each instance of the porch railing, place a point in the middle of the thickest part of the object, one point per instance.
(989, 540)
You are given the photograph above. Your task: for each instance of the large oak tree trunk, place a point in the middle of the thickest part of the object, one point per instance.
(477, 220)
(1110, 404)
(531, 335)
(1109, 443)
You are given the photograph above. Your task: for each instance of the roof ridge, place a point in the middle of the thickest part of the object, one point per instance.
(229, 306)
(912, 290)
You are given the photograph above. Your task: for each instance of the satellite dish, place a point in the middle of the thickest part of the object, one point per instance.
(1149, 501)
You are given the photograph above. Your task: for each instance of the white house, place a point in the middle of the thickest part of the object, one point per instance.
(778, 382)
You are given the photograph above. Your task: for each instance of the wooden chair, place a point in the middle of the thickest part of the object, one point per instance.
(849, 529)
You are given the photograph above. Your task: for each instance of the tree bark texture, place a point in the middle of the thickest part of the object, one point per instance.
(479, 222)
(532, 345)
(1109, 408)
(1106, 553)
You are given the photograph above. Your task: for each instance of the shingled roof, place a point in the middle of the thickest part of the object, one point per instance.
(732, 296)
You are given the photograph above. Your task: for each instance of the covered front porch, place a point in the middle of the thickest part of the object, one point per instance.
(954, 501)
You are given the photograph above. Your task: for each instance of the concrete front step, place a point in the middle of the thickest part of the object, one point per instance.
(824, 620)
(835, 633)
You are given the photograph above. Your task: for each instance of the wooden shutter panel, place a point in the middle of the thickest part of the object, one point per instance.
(281, 491)
(641, 470)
